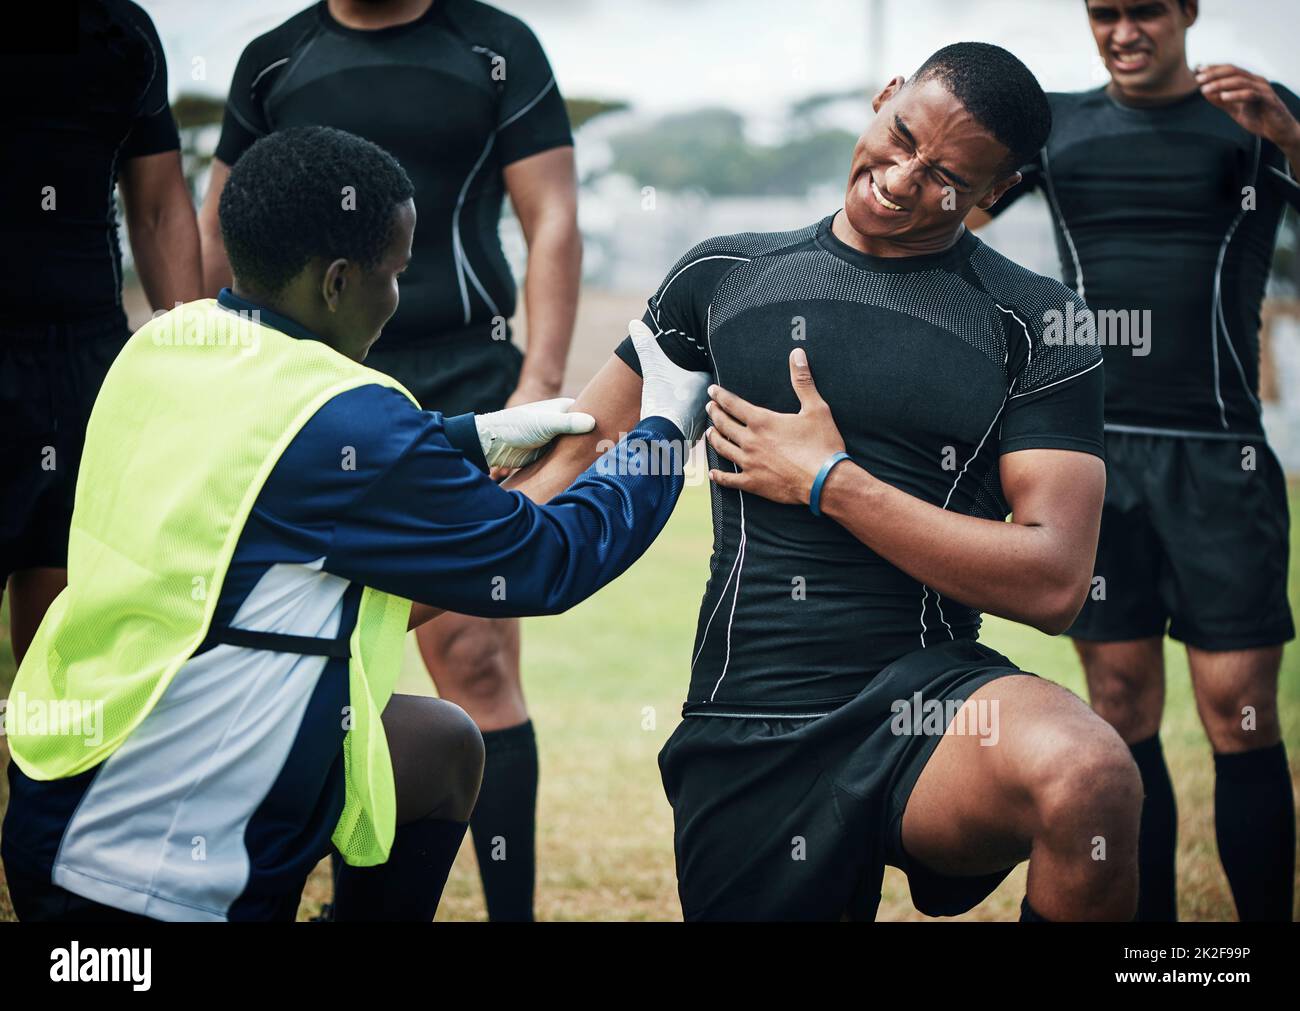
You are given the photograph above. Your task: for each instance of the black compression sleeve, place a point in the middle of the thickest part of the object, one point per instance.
(153, 129)
(1067, 415)
(244, 120)
(533, 117)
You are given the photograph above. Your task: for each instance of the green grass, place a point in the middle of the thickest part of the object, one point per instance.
(605, 683)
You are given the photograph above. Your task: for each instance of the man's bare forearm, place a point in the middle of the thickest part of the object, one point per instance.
(1036, 569)
(216, 267)
(161, 227)
(165, 246)
(613, 398)
(543, 190)
(551, 299)
(1014, 570)
(166, 253)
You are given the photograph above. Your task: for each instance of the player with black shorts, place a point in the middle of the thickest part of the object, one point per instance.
(838, 635)
(462, 94)
(1166, 189)
(85, 116)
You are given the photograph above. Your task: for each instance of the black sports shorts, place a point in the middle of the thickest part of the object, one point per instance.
(794, 817)
(50, 375)
(1194, 540)
(454, 373)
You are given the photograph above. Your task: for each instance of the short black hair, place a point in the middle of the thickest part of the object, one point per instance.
(998, 90)
(288, 200)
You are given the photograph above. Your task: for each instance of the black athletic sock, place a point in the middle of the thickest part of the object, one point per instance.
(1028, 914)
(1254, 822)
(1158, 838)
(408, 886)
(504, 822)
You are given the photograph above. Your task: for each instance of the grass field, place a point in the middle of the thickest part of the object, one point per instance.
(605, 683)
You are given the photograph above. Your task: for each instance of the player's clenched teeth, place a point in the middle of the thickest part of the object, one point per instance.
(883, 200)
(1130, 60)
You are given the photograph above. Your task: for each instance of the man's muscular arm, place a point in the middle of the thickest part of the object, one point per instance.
(1036, 569)
(613, 398)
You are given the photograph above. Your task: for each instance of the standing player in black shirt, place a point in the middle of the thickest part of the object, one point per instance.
(1166, 189)
(835, 643)
(462, 94)
(85, 119)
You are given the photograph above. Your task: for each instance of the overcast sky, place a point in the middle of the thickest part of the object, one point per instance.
(754, 54)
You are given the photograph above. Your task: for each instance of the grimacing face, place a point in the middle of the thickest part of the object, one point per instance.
(1142, 42)
(362, 300)
(923, 163)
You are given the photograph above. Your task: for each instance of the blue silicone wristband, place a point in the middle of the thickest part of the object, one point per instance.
(815, 496)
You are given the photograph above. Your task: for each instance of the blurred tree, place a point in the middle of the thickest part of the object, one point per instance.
(706, 150)
(196, 114)
(584, 110)
(811, 105)
(192, 110)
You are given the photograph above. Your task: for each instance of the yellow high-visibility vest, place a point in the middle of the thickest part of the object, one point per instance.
(192, 418)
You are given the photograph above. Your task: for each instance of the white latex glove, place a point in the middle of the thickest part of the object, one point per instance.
(668, 390)
(516, 436)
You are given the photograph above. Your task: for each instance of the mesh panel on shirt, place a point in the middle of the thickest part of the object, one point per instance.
(744, 245)
(937, 297)
(1030, 297)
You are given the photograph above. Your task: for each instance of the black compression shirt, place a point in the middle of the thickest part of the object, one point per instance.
(934, 366)
(70, 119)
(1147, 205)
(455, 96)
